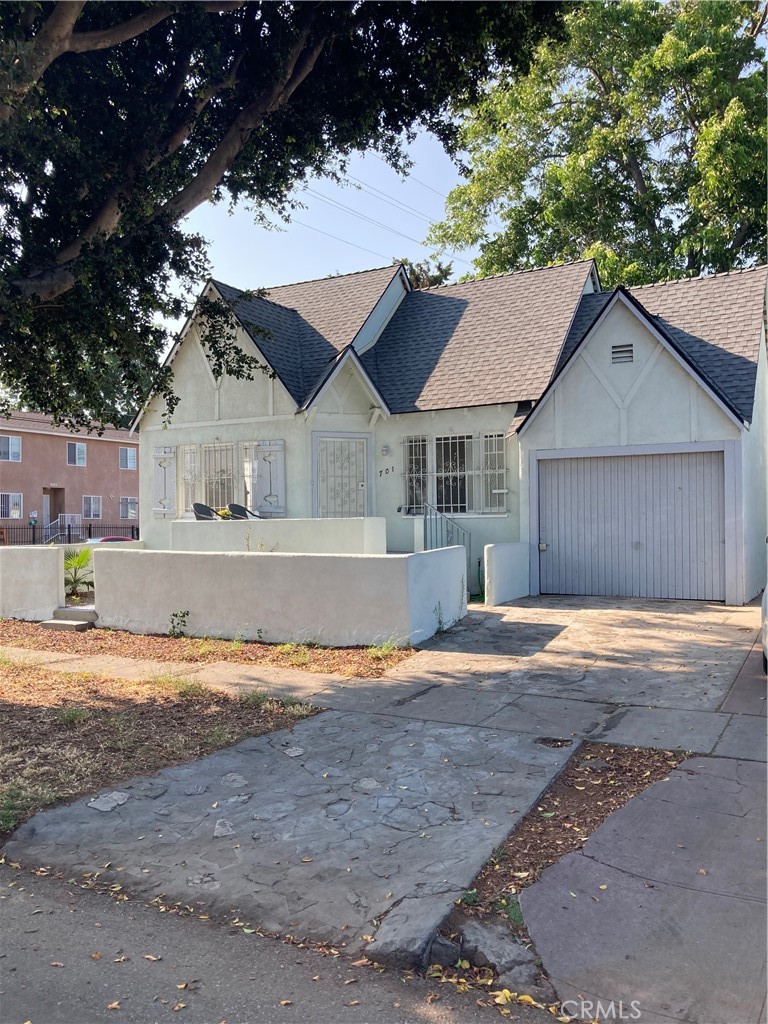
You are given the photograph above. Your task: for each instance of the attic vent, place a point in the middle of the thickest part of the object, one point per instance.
(622, 353)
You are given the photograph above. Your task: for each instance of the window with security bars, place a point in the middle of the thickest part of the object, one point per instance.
(11, 506)
(458, 473)
(415, 473)
(219, 473)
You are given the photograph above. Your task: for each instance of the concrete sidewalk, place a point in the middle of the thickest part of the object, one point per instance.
(664, 909)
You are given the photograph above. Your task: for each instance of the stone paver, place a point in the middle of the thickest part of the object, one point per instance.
(670, 729)
(670, 894)
(379, 812)
(319, 831)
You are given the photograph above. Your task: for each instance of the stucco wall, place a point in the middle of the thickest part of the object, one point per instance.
(31, 581)
(755, 490)
(312, 536)
(261, 409)
(507, 572)
(341, 600)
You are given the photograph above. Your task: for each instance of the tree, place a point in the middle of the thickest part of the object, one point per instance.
(426, 274)
(118, 118)
(638, 140)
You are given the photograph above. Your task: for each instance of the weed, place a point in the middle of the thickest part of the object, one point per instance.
(220, 736)
(71, 716)
(438, 612)
(178, 624)
(509, 906)
(286, 648)
(204, 647)
(17, 801)
(188, 688)
(470, 898)
(254, 698)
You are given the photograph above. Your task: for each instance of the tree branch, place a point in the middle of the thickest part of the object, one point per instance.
(102, 39)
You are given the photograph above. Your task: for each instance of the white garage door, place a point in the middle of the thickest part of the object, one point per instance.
(633, 526)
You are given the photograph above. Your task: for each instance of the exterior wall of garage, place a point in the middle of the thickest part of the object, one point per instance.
(651, 405)
(755, 489)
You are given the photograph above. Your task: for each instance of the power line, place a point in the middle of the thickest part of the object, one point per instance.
(335, 204)
(385, 197)
(337, 239)
(412, 178)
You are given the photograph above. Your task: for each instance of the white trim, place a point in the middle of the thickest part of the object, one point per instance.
(734, 518)
(369, 469)
(654, 331)
(373, 393)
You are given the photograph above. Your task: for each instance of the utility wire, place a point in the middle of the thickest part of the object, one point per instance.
(337, 239)
(412, 178)
(362, 216)
(385, 197)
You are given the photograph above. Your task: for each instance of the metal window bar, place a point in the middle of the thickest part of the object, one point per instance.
(220, 475)
(415, 473)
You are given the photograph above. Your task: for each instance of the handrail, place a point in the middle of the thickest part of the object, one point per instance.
(440, 531)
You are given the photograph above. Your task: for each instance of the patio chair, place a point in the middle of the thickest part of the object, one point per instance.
(204, 513)
(241, 512)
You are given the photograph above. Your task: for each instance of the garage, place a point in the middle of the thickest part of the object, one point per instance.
(633, 525)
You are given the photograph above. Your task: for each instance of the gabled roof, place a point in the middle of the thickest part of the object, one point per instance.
(715, 322)
(309, 323)
(480, 342)
(37, 423)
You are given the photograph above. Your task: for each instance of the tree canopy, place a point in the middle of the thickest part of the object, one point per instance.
(638, 139)
(118, 118)
(426, 273)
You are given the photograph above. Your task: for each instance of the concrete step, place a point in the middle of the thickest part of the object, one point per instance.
(81, 612)
(69, 625)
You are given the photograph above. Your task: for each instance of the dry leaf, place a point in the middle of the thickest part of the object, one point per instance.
(353, 1002)
(286, 1002)
(95, 956)
(350, 981)
(362, 962)
(56, 963)
(114, 1006)
(121, 959)
(178, 1006)
(148, 956)
(432, 997)
(306, 860)
(702, 871)
(182, 985)
(316, 977)
(603, 887)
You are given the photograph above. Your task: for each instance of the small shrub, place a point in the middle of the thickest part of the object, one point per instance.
(78, 574)
(178, 624)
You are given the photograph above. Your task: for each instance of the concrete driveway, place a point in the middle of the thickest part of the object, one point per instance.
(370, 819)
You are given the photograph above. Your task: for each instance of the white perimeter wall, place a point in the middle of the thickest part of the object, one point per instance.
(339, 600)
(31, 582)
(507, 572)
(310, 536)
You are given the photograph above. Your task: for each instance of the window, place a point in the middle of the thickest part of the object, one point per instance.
(11, 506)
(75, 453)
(219, 476)
(188, 469)
(127, 458)
(129, 508)
(622, 353)
(91, 506)
(10, 449)
(458, 474)
(415, 470)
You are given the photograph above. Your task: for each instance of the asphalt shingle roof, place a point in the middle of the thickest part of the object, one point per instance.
(478, 343)
(499, 339)
(309, 323)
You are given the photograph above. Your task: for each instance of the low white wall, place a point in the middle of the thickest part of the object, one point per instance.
(340, 600)
(31, 581)
(507, 572)
(312, 536)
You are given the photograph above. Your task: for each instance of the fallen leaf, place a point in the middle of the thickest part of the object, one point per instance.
(362, 962)
(55, 963)
(248, 931)
(603, 887)
(353, 1002)
(178, 1006)
(572, 894)
(350, 981)
(182, 985)
(121, 960)
(148, 956)
(306, 860)
(114, 1006)
(95, 956)
(316, 977)
(432, 997)
(286, 1002)
(702, 871)
(527, 1000)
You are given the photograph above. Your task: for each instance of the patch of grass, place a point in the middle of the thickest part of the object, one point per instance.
(286, 648)
(71, 716)
(509, 906)
(204, 646)
(255, 699)
(470, 898)
(382, 651)
(235, 646)
(115, 729)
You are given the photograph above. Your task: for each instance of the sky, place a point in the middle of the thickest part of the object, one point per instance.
(336, 233)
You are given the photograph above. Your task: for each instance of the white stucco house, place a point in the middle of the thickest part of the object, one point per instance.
(621, 435)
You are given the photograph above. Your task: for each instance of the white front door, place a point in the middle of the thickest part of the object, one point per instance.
(341, 475)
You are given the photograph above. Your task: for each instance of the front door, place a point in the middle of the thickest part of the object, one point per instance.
(341, 475)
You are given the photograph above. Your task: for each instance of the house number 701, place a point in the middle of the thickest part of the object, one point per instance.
(387, 471)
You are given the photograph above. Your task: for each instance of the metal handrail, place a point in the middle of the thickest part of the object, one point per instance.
(440, 531)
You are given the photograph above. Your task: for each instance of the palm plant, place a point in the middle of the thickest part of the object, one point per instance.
(78, 574)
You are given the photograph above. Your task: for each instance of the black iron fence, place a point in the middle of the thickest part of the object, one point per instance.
(71, 534)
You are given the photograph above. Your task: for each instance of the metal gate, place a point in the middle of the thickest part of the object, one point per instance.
(341, 476)
(633, 526)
